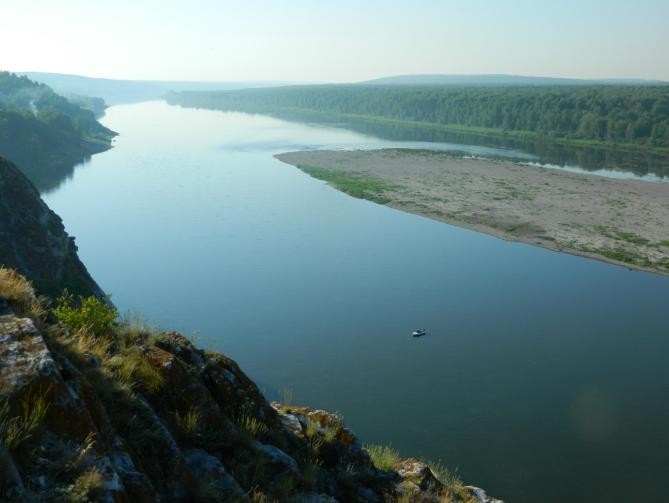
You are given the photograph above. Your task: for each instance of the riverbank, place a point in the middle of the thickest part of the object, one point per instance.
(481, 131)
(625, 222)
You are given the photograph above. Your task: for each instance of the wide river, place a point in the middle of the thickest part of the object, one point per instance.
(544, 376)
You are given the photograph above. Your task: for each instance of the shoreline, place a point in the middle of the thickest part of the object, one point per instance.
(621, 222)
(518, 135)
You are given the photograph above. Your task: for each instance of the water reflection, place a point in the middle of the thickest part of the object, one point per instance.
(48, 177)
(607, 162)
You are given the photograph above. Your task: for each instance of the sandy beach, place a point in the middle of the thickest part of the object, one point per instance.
(620, 221)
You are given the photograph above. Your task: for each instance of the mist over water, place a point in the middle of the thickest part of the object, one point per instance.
(540, 370)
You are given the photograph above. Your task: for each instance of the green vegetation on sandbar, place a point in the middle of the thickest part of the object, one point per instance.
(620, 235)
(350, 183)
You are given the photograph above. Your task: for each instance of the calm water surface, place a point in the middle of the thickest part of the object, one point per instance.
(543, 377)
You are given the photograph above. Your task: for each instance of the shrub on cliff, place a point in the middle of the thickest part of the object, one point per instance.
(89, 313)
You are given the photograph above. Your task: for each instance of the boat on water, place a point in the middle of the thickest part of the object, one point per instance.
(418, 333)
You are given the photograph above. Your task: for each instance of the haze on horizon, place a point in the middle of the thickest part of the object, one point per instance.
(317, 41)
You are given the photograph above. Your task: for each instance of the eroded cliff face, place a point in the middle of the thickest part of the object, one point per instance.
(33, 240)
(133, 414)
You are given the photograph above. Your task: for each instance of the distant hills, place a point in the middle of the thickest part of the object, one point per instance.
(499, 80)
(115, 91)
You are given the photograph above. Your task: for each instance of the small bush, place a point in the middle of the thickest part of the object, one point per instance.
(90, 313)
(384, 457)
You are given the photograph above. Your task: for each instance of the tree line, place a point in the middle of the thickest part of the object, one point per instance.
(630, 114)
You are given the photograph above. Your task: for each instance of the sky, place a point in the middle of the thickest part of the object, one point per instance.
(334, 41)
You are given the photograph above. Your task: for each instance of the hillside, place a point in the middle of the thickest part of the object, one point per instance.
(44, 133)
(117, 91)
(632, 117)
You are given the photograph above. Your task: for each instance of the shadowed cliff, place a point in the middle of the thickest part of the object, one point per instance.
(34, 242)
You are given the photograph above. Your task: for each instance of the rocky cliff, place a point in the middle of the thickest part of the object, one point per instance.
(92, 409)
(33, 240)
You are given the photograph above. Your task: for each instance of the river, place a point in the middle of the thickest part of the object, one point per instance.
(543, 376)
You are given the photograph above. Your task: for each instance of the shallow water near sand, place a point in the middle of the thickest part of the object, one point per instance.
(543, 376)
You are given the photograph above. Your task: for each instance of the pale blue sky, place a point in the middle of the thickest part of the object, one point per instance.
(334, 41)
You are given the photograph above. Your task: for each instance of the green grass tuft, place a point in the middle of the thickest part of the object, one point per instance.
(132, 369)
(189, 422)
(450, 478)
(89, 486)
(384, 457)
(15, 430)
(250, 425)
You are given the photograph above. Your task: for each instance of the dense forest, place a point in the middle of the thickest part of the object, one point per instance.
(630, 115)
(95, 105)
(43, 132)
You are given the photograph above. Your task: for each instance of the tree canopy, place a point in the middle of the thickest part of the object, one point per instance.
(612, 114)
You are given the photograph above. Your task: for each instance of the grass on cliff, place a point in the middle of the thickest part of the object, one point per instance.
(384, 457)
(96, 329)
(350, 183)
(20, 294)
(89, 486)
(14, 288)
(16, 429)
(450, 478)
(189, 422)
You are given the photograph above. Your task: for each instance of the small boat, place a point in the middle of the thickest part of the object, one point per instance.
(418, 333)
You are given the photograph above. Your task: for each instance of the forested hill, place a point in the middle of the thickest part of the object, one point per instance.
(44, 133)
(499, 80)
(612, 115)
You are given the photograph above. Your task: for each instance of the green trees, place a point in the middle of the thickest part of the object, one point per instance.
(606, 113)
(44, 133)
